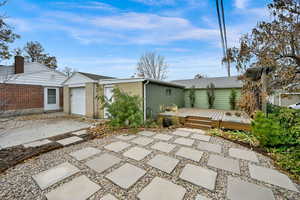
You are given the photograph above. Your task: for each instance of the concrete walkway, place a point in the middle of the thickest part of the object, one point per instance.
(178, 165)
(33, 130)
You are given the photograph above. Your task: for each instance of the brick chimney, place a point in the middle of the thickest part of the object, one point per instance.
(19, 64)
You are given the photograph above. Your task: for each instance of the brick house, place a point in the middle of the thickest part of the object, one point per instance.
(29, 88)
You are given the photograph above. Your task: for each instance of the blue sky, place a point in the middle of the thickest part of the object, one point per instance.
(107, 37)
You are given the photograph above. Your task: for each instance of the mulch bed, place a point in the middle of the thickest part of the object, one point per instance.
(12, 156)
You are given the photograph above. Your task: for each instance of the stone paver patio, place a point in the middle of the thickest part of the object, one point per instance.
(69, 140)
(150, 166)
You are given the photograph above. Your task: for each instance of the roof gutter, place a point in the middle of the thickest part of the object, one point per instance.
(145, 101)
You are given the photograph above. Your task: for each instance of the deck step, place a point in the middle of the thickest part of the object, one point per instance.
(198, 126)
(198, 118)
(199, 121)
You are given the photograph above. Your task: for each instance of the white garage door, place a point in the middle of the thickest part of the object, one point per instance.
(78, 101)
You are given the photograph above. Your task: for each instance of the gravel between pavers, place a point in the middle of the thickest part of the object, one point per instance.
(16, 182)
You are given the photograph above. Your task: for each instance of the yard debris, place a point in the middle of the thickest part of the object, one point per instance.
(12, 156)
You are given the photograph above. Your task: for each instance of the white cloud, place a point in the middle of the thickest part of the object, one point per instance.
(21, 24)
(241, 4)
(154, 29)
(172, 49)
(86, 5)
(129, 28)
(156, 2)
(189, 3)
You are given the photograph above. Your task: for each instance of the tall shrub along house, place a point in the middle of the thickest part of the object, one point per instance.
(29, 88)
(153, 94)
(223, 87)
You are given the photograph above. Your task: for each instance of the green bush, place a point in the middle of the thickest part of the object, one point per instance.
(287, 117)
(288, 158)
(266, 130)
(273, 109)
(124, 111)
(210, 92)
(282, 128)
(232, 99)
(192, 96)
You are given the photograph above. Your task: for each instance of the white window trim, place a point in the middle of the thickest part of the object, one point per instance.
(51, 106)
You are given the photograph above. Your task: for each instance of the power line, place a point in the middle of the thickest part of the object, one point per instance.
(222, 27)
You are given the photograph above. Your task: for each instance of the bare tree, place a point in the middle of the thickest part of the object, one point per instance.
(68, 71)
(152, 66)
(274, 44)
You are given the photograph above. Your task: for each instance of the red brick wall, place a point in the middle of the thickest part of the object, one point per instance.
(17, 97)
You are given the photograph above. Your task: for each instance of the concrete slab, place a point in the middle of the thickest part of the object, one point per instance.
(206, 146)
(227, 164)
(79, 188)
(82, 132)
(271, 176)
(201, 197)
(202, 137)
(85, 153)
(163, 146)
(143, 141)
(164, 163)
(103, 162)
(126, 137)
(137, 153)
(243, 154)
(147, 133)
(69, 140)
(199, 176)
(193, 130)
(184, 141)
(126, 175)
(109, 197)
(182, 133)
(117, 146)
(54, 175)
(164, 137)
(238, 190)
(37, 143)
(189, 153)
(161, 189)
(33, 130)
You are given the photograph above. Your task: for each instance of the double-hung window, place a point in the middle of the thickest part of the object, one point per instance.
(51, 96)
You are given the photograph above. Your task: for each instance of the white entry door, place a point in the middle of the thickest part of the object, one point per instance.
(51, 98)
(77, 101)
(108, 93)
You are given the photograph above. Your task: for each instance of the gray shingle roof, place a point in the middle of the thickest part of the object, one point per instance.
(95, 76)
(219, 82)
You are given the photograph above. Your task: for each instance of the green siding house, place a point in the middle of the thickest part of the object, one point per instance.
(223, 87)
(162, 94)
(81, 92)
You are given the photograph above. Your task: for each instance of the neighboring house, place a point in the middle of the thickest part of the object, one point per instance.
(282, 98)
(29, 88)
(82, 88)
(223, 87)
(80, 94)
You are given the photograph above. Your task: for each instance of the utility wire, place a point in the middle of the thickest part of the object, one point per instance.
(225, 37)
(222, 27)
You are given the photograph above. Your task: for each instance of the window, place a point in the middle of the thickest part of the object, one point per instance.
(51, 96)
(168, 92)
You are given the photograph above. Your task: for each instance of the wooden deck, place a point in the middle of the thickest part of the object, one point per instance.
(218, 118)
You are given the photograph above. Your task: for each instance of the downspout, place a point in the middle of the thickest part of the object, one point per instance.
(145, 101)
